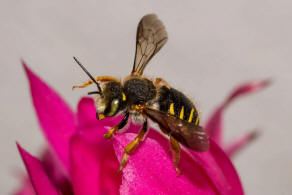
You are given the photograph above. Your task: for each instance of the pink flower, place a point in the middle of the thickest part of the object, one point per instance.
(214, 123)
(80, 161)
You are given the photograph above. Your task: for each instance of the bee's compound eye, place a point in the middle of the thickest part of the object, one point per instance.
(114, 107)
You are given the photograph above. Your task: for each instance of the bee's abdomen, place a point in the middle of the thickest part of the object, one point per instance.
(176, 103)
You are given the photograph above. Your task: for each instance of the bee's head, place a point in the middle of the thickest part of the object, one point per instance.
(112, 100)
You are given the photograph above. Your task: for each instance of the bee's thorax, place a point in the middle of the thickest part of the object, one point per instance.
(139, 90)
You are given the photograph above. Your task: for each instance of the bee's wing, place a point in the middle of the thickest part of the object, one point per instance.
(151, 36)
(189, 134)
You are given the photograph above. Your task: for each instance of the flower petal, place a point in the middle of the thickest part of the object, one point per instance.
(214, 123)
(150, 169)
(94, 167)
(86, 111)
(238, 144)
(37, 174)
(55, 116)
(222, 162)
(248, 88)
(55, 171)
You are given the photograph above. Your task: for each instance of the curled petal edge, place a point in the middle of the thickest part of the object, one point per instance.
(214, 123)
(241, 142)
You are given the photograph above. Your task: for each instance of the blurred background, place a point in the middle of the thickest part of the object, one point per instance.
(213, 46)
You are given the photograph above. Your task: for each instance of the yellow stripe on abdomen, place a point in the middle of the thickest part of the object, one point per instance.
(197, 120)
(171, 109)
(181, 115)
(191, 115)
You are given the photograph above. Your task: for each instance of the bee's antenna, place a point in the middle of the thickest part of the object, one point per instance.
(90, 76)
(93, 92)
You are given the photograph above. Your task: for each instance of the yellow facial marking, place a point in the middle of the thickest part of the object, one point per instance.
(191, 115)
(168, 87)
(171, 109)
(181, 115)
(197, 120)
(124, 97)
(100, 116)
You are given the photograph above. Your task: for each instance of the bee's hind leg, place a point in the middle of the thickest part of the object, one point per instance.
(175, 149)
(133, 144)
(117, 127)
(100, 79)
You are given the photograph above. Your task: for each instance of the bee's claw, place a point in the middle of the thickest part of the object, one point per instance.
(123, 162)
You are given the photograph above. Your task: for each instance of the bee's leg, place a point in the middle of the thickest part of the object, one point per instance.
(175, 149)
(117, 127)
(100, 79)
(132, 145)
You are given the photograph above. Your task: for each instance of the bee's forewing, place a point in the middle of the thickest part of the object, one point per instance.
(151, 36)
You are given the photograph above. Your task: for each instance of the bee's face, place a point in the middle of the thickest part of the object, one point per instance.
(112, 100)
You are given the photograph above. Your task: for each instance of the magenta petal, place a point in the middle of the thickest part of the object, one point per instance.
(86, 111)
(94, 168)
(56, 172)
(37, 174)
(150, 170)
(248, 88)
(238, 144)
(55, 116)
(214, 123)
(222, 162)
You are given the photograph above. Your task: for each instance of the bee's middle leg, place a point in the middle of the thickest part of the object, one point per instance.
(133, 144)
(117, 127)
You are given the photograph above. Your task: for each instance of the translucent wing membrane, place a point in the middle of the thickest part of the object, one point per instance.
(151, 36)
(188, 134)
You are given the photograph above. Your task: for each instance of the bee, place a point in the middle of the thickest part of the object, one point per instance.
(141, 98)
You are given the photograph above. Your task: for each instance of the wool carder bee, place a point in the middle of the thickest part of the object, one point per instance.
(141, 98)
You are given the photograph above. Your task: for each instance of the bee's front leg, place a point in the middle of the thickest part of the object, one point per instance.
(132, 145)
(117, 127)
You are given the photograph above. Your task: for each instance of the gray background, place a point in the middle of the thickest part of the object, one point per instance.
(212, 47)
